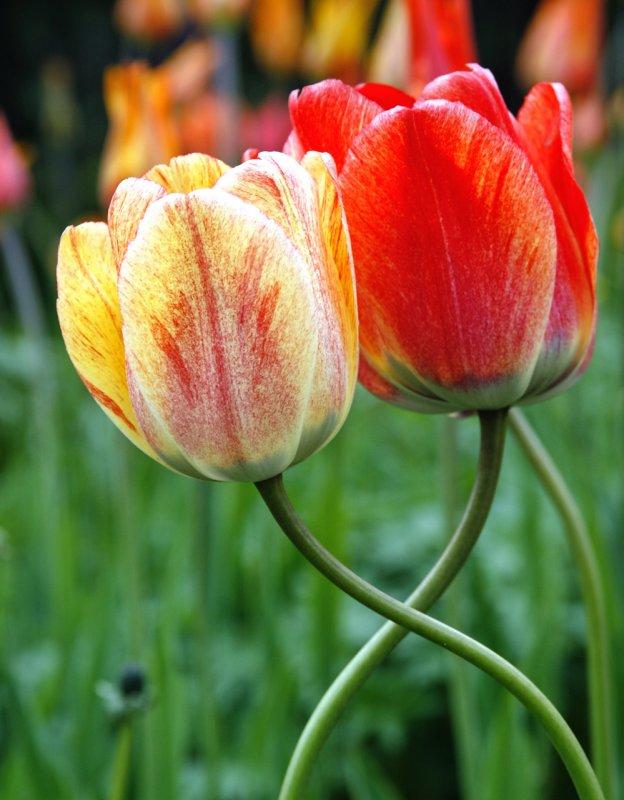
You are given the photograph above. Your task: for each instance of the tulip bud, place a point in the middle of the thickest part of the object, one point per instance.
(213, 319)
(474, 248)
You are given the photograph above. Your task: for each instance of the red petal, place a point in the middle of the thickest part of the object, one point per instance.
(476, 88)
(546, 122)
(454, 247)
(386, 96)
(327, 116)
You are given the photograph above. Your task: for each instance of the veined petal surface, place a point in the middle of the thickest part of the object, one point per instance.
(454, 247)
(187, 173)
(219, 326)
(88, 310)
(545, 121)
(303, 200)
(326, 116)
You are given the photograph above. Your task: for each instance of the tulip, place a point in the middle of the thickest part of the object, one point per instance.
(149, 19)
(337, 37)
(276, 30)
(474, 248)
(14, 175)
(564, 42)
(142, 129)
(421, 39)
(213, 319)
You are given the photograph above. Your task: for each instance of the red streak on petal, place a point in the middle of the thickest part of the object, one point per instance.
(108, 403)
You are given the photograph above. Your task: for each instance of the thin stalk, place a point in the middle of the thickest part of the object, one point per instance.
(562, 737)
(463, 703)
(600, 669)
(121, 764)
(364, 663)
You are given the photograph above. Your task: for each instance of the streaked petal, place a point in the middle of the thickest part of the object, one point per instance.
(326, 116)
(303, 200)
(455, 266)
(187, 173)
(127, 208)
(88, 310)
(220, 335)
(398, 395)
(546, 121)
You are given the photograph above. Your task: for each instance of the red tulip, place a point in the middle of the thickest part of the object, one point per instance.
(474, 247)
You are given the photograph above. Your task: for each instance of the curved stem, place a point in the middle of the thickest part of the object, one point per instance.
(572, 754)
(364, 663)
(599, 650)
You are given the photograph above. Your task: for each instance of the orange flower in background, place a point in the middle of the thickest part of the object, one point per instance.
(149, 19)
(14, 175)
(214, 319)
(564, 42)
(142, 128)
(474, 247)
(188, 69)
(276, 30)
(337, 38)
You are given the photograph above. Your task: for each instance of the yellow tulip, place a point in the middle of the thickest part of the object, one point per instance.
(214, 318)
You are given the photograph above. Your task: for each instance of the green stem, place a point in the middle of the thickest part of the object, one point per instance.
(121, 765)
(364, 663)
(572, 754)
(599, 671)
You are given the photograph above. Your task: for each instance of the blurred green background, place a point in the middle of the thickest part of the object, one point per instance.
(106, 559)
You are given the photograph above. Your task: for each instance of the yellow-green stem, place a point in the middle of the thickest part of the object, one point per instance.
(600, 671)
(328, 711)
(562, 737)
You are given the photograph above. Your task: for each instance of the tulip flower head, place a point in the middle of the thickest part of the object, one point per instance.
(474, 248)
(214, 319)
(14, 175)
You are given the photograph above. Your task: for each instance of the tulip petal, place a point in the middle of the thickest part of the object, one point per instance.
(545, 119)
(476, 88)
(326, 116)
(303, 200)
(454, 247)
(127, 208)
(187, 173)
(88, 310)
(398, 395)
(220, 334)
(386, 96)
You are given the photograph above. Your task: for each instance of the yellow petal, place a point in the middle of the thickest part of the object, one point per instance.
(303, 199)
(127, 208)
(88, 310)
(187, 173)
(220, 335)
